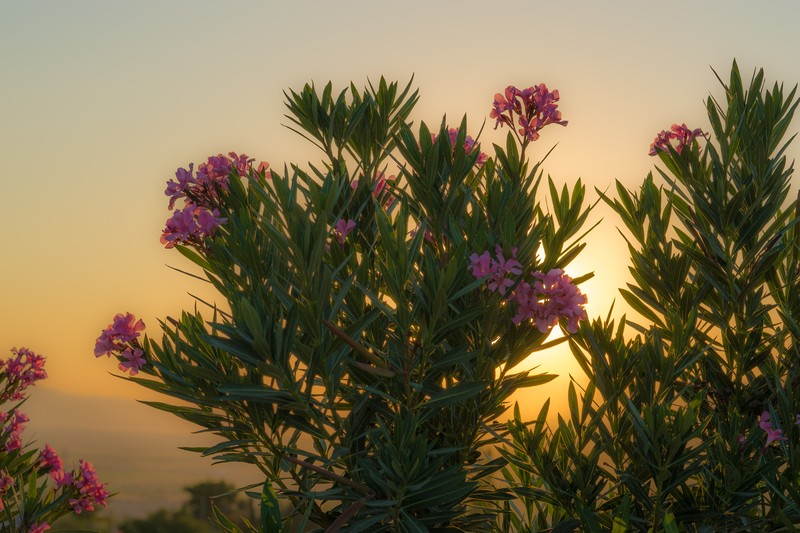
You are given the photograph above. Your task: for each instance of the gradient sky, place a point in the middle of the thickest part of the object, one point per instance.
(101, 101)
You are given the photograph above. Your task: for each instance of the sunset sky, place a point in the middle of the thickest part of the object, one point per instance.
(102, 101)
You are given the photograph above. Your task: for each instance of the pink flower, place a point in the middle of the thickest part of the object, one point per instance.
(773, 433)
(62, 478)
(50, 460)
(342, 228)
(90, 489)
(39, 527)
(502, 266)
(13, 431)
(177, 190)
(208, 221)
(78, 505)
(21, 371)
(133, 360)
(681, 133)
(203, 194)
(264, 167)
(535, 108)
(552, 296)
(741, 439)
(191, 225)
(126, 328)
(181, 227)
(120, 338)
(123, 330)
(483, 265)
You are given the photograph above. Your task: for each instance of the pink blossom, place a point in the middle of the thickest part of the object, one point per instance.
(21, 371)
(203, 193)
(181, 227)
(78, 505)
(741, 439)
(177, 190)
(120, 338)
(39, 527)
(535, 107)
(552, 296)
(126, 327)
(502, 266)
(50, 460)
(342, 228)
(773, 433)
(133, 360)
(89, 487)
(191, 225)
(13, 431)
(208, 221)
(483, 265)
(264, 167)
(682, 134)
(62, 478)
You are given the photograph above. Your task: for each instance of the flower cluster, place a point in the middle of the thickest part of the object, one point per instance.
(202, 193)
(496, 269)
(550, 297)
(91, 491)
(681, 133)
(25, 467)
(535, 108)
(469, 145)
(20, 372)
(11, 426)
(51, 463)
(120, 338)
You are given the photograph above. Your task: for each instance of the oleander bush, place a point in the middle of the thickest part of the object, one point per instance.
(372, 308)
(688, 419)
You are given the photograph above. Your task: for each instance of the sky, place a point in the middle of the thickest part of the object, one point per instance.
(102, 101)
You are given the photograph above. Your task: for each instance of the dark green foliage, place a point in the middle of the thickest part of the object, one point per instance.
(666, 435)
(365, 378)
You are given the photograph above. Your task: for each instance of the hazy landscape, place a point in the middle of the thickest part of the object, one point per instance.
(133, 447)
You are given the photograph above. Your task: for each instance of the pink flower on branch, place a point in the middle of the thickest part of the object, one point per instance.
(551, 297)
(342, 228)
(120, 338)
(496, 269)
(773, 433)
(191, 225)
(534, 107)
(133, 360)
(682, 134)
(91, 491)
(21, 371)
